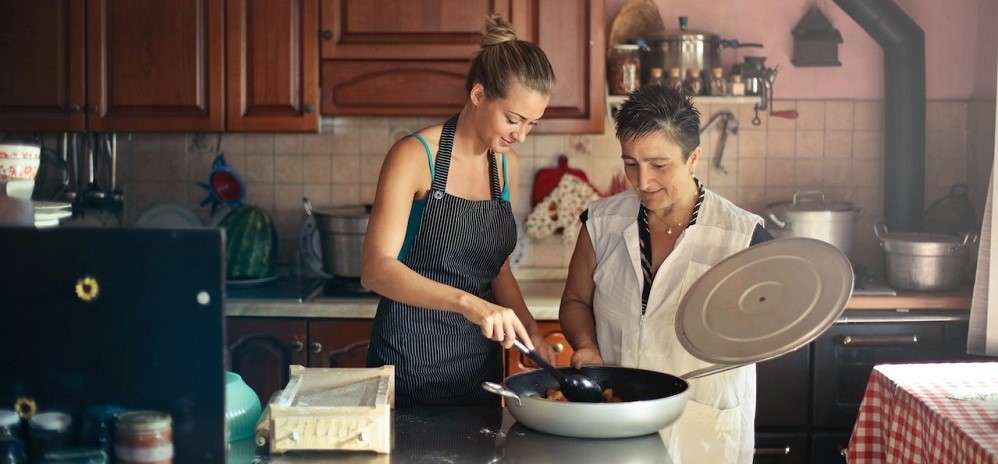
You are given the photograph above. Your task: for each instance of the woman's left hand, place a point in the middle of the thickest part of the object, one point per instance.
(543, 348)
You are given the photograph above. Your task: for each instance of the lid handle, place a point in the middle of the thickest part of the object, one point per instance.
(880, 230)
(809, 193)
(776, 220)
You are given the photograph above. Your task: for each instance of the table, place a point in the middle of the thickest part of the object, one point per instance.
(938, 412)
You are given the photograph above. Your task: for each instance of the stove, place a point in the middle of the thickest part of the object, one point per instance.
(868, 283)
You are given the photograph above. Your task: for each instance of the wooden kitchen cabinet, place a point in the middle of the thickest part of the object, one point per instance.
(516, 361)
(338, 342)
(261, 349)
(155, 66)
(411, 57)
(43, 44)
(272, 65)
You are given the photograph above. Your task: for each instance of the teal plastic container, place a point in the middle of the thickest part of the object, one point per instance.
(242, 408)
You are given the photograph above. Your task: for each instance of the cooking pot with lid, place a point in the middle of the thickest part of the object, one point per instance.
(342, 232)
(924, 262)
(685, 49)
(810, 214)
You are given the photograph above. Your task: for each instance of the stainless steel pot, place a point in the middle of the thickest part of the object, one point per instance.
(810, 215)
(342, 236)
(685, 49)
(923, 261)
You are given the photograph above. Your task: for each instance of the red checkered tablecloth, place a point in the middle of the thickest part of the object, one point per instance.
(928, 413)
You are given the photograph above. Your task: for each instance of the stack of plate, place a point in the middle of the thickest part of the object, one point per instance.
(48, 213)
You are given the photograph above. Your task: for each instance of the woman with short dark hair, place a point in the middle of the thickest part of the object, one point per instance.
(637, 254)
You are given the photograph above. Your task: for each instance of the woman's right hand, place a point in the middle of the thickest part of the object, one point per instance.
(498, 323)
(586, 356)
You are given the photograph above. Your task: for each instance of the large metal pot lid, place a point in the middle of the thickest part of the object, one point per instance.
(765, 301)
(812, 201)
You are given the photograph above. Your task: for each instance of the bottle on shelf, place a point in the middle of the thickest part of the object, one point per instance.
(655, 77)
(673, 82)
(718, 86)
(737, 87)
(693, 85)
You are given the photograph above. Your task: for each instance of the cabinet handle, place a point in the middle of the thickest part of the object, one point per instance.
(74, 108)
(878, 340)
(774, 451)
(844, 452)
(90, 108)
(307, 108)
(558, 347)
(316, 347)
(297, 346)
(327, 34)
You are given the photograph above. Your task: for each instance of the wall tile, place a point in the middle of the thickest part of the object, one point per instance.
(780, 144)
(367, 193)
(780, 173)
(751, 198)
(867, 145)
(745, 115)
(943, 115)
(751, 143)
(811, 114)
(868, 115)
(316, 144)
(809, 174)
(287, 198)
(751, 173)
(320, 195)
(345, 194)
(345, 170)
(839, 114)
(318, 169)
(289, 168)
(375, 140)
(838, 144)
(867, 173)
(259, 168)
(370, 168)
(287, 144)
(261, 195)
(346, 142)
(810, 144)
(259, 144)
(837, 173)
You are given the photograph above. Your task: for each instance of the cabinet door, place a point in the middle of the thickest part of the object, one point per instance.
(780, 448)
(261, 350)
(272, 65)
(155, 65)
(829, 447)
(782, 393)
(405, 29)
(571, 34)
(516, 361)
(338, 342)
(42, 86)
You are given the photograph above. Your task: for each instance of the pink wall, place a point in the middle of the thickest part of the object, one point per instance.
(953, 51)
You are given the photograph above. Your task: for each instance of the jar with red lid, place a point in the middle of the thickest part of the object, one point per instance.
(144, 437)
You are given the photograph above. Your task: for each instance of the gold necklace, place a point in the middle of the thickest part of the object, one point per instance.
(668, 226)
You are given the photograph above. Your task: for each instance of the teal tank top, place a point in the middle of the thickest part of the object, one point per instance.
(416, 211)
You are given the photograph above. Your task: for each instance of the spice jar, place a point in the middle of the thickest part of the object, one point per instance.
(737, 87)
(674, 81)
(50, 431)
(144, 437)
(625, 69)
(655, 77)
(693, 85)
(718, 86)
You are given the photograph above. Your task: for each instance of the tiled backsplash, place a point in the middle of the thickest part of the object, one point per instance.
(834, 146)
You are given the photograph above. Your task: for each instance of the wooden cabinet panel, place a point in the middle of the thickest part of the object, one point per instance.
(339, 342)
(405, 29)
(42, 87)
(571, 34)
(272, 65)
(516, 361)
(393, 88)
(155, 66)
(262, 348)
(780, 448)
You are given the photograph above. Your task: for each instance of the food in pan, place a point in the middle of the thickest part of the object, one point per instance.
(555, 394)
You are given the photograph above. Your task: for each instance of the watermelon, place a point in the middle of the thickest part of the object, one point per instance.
(250, 243)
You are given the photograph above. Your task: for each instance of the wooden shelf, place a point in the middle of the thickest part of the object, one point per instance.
(616, 100)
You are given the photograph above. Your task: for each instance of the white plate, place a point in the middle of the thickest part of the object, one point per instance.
(50, 215)
(169, 216)
(251, 282)
(764, 301)
(46, 206)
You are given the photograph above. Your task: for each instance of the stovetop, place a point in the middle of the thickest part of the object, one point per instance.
(301, 289)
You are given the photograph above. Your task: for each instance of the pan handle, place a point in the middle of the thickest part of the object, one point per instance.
(710, 370)
(497, 389)
(776, 220)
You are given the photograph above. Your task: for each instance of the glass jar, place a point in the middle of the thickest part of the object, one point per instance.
(737, 87)
(693, 85)
(50, 431)
(674, 81)
(625, 69)
(655, 77)
(718, 86)
(144, 437)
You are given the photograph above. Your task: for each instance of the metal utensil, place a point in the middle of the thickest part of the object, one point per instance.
(575, 387)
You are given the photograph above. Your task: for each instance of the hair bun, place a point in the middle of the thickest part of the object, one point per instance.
(497, 31)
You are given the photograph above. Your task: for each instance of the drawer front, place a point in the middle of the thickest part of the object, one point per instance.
(780, 448)
(829, 447)
(783, 390)
(845, 355)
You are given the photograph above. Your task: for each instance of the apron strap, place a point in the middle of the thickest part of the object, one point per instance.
(494, 177)
(439, 185)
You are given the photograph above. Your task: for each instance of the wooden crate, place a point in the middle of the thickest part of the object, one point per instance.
(331, 409)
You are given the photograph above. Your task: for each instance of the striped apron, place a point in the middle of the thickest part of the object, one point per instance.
(440, 357)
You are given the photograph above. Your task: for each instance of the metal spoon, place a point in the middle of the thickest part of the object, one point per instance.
(575, 387)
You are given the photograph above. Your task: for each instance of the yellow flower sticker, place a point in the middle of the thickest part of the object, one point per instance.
(87, 289)
(25, 407)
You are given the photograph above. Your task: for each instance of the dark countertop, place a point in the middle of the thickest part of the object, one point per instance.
(473, 436)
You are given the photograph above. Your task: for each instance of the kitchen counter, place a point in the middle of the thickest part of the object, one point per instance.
(474, 435)
(544, 297)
